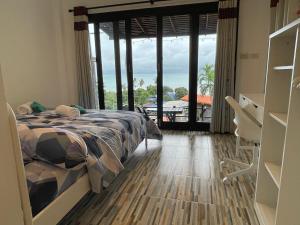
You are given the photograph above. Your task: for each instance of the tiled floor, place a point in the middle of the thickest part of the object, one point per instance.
(178, 181)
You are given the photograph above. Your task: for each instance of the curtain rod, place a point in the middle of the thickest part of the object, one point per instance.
(124, 4)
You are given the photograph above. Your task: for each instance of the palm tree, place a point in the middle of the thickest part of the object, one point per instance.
(206, 80)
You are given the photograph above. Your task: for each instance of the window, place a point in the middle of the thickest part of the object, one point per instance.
(159, 59)
(93, 60)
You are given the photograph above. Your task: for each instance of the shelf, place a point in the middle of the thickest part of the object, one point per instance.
(288, 30)
(284, 67)
(279, 117)
(275, 171)
(265, 214)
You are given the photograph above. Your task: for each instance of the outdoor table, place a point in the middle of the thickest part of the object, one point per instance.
(170, 112)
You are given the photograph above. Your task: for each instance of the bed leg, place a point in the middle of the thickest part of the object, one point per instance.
(146, 142)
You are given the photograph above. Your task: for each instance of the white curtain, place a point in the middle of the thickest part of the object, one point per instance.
(85, 75)
(222, 115)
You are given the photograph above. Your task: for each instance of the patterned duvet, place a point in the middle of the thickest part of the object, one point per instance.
(58, 150)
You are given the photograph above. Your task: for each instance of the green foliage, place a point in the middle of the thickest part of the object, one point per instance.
(206, 80)
(167, 89)
(152, 90)
(110, 99)
(140, 96)
(138, 83)
(141, 83)
(181, 92)
(167, 98)
(125, 97)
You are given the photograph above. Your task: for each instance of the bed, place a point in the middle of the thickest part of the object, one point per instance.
(64, 158)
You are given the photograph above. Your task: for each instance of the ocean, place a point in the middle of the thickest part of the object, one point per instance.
(169, 79)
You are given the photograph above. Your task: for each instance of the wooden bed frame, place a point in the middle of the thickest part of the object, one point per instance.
(61, 205)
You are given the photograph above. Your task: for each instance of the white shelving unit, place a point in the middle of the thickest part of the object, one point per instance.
(278, 182)
(283, 67)
(279, 117)
(266, 213)
(274, 171)
(284, 13)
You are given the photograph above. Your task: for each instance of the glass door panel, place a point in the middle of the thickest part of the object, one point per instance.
(108, 65)
(122, 43)
(206, 66)
(93, 61)
(158, 60)
(176, 42)
(143, 36)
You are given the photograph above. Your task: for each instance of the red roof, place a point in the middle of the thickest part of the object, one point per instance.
(203, 100)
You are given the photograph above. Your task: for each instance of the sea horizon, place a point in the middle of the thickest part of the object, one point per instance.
(171, 80)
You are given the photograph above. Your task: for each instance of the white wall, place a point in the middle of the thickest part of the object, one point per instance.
(30, 54)
(252, 45)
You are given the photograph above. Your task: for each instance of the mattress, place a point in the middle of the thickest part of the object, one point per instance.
(58, 150)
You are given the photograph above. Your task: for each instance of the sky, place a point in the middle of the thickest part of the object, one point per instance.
(175, 55)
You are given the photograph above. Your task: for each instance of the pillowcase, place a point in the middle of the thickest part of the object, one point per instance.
(24, 109)
(37, 107)
(68, 111)
(80, 108)
(55, 146)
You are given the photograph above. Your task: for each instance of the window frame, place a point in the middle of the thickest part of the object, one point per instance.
(194, 10)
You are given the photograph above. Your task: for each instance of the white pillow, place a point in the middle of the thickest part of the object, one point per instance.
(24, 109)
(68, 111)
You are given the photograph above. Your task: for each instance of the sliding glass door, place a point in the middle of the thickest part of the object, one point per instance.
(207, 46)
(143, 37)
(175, 48)
(108, 65)
(93, 60)
(159, 60)
(123, 64)
(188, 56)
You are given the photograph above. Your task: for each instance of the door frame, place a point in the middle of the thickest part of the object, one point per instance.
(194, 10)
(192, 123)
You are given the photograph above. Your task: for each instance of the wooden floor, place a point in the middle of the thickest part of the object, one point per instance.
(178, 181)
